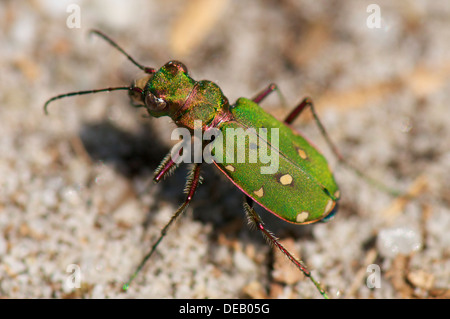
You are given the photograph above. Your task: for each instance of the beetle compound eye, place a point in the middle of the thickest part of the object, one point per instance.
(154, 103)
(181, 67)
(176, 66)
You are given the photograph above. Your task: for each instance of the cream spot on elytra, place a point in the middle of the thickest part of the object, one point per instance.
(286, 179)
(302, 153)
(329, 206)
(230, 168)
(259, 192)
(301, 217)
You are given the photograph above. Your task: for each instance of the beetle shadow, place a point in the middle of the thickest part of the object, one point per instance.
(136, 156)
(130, 154)
(217, 201)
(133, 155)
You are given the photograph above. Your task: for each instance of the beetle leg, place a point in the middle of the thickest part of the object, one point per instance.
(193, 181)
(269, 89)
(255, 219)
(167, 166)
(307, 102)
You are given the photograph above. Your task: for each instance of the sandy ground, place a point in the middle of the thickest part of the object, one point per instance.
(77, 205)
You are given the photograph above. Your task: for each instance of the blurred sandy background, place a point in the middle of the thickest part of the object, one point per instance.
(75, 186)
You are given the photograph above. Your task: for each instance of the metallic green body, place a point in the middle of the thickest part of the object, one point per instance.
(187, 100)
(302, 190)
(265, 158)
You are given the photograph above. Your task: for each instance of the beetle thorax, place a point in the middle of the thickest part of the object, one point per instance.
(170, 91)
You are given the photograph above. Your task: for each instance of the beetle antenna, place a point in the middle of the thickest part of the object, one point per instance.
(86, 92)
(129, 57)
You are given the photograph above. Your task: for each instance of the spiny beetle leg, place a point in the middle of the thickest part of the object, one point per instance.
(167, 166)
(307, 102)
(255, 219)
(193, 181)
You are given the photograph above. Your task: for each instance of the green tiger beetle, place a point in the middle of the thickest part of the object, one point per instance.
(302, 190)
